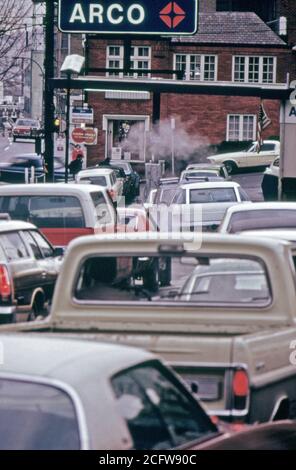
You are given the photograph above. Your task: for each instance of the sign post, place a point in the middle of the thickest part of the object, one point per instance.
(157, 17)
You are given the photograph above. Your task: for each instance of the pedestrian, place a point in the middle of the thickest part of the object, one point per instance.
(105, 162)
(76, 165)
(77, 151)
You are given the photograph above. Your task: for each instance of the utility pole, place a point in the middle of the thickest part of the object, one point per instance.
(48, 90)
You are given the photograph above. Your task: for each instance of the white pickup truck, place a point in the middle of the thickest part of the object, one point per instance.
(249, 158)
(226, 323)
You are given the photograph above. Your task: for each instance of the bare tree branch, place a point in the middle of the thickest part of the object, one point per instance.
(15, 16)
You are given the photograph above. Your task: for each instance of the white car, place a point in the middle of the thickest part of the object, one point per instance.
(214, 197)
(102, 177)
(259, 216)
(249, 158)
(218, 169)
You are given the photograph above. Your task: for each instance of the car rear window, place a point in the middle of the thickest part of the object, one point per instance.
(45, 211)
(99, 180)
(102, 208)
(212, 195)
(262, 219)
(200, 280)
(158, 412)
(36, 417)
(13, 246)
(27, 122)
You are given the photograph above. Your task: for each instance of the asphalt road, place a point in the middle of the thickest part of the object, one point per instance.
(9, 149)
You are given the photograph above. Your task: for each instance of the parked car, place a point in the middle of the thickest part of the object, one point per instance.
(102, 177)
(234, 353)
(259, 216)
(132, 177)
(209, 168)
(214, 198)
(29, 267)
(61, 211)
(25, 128)
(54, 392)
(249, 158)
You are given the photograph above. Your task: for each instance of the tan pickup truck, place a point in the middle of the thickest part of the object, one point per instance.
(226, 322)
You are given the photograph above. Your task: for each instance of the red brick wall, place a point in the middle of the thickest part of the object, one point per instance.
(202, 115)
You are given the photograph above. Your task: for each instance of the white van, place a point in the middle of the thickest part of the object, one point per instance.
(102, 177)
(61, 211)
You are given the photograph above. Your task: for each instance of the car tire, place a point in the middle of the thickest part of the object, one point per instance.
(37, 309)
(165, 272)
(231, 167)
(151, 277)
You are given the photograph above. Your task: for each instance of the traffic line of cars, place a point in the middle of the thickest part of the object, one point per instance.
(213, 312)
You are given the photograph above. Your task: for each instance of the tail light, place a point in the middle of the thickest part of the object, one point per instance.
(112, 193)
(5, 283)
(240, 389)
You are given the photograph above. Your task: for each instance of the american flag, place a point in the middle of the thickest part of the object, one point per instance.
(263, 122)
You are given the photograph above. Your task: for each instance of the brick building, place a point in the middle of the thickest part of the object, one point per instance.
(229, 47)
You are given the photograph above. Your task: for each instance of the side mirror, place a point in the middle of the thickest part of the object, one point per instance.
(59, 251)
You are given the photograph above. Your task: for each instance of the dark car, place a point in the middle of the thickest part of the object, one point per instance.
(15, 171)
(132, 177)
(29, 267)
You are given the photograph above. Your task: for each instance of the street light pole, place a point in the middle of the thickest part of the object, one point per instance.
(67, 146)
(48, 90)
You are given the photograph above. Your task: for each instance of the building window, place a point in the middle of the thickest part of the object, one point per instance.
(241, 127)
(197, 67)
(140, 60)
(254, 69)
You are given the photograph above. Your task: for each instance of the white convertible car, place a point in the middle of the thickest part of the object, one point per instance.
(249, 158)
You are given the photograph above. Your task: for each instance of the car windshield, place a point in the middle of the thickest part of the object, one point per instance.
(27, 122)
(212, 195)
(36, 417)
(99, 180)
(165, 195)
(262, 219)
(207, 280)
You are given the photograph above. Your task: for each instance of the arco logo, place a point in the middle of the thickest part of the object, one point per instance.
(172, 15)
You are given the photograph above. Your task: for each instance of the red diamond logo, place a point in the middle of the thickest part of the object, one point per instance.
(172, 15)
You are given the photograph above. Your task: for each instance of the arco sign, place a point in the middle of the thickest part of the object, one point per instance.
(145, 17)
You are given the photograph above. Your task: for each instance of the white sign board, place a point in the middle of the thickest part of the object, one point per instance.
(288, 140)
(288, 113)
(82, 115)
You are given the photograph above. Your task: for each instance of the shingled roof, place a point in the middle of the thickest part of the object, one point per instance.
(235, 28)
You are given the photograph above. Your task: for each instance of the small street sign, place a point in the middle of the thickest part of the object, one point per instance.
(78, 135)
(82, 115)
(86, 136)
